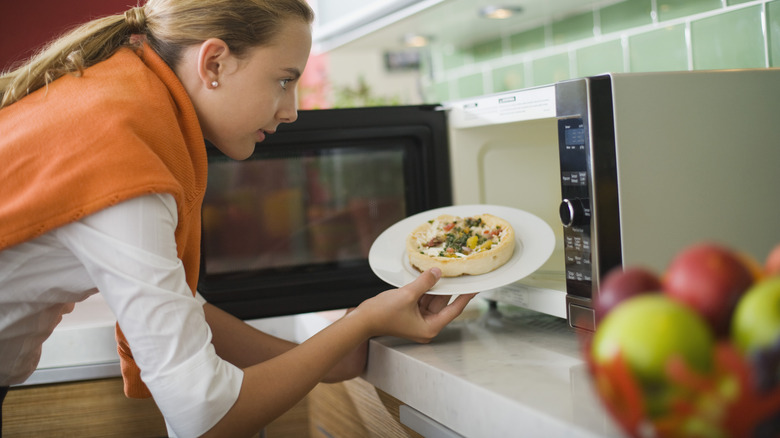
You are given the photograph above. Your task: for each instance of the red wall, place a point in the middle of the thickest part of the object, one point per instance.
(26, 25)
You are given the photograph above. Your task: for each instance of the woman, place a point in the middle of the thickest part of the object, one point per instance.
(104, 171)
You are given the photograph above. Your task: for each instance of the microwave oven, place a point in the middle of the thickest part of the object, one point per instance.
(289, 229)
(627, 169)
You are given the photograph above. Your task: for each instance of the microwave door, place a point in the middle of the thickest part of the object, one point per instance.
(289, 229)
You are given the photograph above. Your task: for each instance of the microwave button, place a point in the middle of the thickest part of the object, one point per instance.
(573, 212)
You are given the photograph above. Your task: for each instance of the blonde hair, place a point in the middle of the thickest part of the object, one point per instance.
(168, 25)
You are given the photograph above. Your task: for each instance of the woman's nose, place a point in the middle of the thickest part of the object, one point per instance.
(288, 112)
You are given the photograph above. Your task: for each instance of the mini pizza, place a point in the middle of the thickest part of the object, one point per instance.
(461, 246)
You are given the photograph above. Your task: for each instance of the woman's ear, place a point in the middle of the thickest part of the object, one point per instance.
(212, 57)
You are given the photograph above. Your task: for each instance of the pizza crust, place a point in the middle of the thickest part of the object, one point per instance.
(426, 250)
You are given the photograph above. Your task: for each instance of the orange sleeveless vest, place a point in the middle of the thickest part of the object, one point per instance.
(125, 128)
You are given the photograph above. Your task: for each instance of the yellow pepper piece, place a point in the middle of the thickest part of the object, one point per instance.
(472, 242)
(486, 245)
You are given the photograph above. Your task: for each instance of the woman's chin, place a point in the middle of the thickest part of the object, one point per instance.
(236, 150)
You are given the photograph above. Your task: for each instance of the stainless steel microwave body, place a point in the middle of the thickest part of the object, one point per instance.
(626, 168)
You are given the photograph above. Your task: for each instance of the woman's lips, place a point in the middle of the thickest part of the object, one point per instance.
(260, 135)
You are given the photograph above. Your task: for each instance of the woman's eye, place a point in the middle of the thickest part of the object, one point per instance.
(284, 82)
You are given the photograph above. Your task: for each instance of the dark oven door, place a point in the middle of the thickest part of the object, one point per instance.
(289, 229)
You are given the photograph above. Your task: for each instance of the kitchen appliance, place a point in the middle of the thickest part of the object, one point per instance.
(289, 229)
(626, 168)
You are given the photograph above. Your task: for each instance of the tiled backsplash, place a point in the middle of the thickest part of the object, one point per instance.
(631, 36)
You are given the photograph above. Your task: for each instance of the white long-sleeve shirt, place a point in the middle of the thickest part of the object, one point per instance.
(128, 253)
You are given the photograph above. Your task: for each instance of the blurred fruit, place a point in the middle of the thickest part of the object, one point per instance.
(756, 321)
(619, 285)
(710, 279)
(648, 330)
(766, 367)
(772, 264)
(754, 266)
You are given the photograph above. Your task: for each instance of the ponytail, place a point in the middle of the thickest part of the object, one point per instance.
(169, 27)
(72, 53)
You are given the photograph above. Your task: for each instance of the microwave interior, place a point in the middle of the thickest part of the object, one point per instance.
(516, 164)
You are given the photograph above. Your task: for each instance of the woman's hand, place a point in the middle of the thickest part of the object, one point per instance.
(410, 313)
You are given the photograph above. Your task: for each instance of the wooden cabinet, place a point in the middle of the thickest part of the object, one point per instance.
(95, 408)
(99, 408)
(354, 409)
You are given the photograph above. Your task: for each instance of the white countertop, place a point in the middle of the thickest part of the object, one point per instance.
(514, 374)
(517, 373)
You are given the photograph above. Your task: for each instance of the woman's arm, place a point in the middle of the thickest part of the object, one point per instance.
(243, 345)
(129, 253)
(275, 385)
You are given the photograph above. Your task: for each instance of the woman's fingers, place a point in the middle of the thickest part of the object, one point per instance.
(409, 312)
(446, 314)
(433, 303)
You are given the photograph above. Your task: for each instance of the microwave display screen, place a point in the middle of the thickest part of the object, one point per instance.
(301, 209)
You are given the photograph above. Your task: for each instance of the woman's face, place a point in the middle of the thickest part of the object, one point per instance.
(252, 95)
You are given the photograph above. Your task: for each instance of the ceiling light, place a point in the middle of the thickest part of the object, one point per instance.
(415, 40)
(499, 12)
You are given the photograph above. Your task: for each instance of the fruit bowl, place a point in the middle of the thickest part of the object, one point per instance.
(727, 402)
(664, 367)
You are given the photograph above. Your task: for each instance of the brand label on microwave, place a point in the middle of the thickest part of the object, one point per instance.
(513, 106)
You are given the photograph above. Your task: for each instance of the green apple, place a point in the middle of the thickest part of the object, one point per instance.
(650, 329)
(756, 321)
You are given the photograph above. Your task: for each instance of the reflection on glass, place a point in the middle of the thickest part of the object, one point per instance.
(300, 210)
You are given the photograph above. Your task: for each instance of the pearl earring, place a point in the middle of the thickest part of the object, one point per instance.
(215, 84)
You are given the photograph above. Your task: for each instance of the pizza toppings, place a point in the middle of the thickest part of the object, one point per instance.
(461, 246)
(460, 237)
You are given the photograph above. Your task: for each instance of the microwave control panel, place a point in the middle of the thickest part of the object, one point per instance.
(575, 209)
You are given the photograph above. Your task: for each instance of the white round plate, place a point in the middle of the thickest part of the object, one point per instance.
(535, 242)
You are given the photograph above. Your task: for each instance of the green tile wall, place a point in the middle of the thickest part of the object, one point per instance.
(573, 28)
(550, 69)
(669, 9)
(625, 15)
(600, 58)
(486, 51)
(526, 41)
(510, 77)
(470, 85)
(632, 35)
(454, 58)
(773, 17)
(662, 49)
(730, 40)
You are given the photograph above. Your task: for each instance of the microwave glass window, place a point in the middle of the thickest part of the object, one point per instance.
(302, 209)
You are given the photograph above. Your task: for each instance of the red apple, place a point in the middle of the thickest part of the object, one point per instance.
(710, 279)
(772, 264)
(619, 285)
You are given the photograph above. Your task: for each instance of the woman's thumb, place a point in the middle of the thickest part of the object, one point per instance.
(424, 282)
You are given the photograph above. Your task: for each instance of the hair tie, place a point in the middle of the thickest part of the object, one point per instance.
(136, 19)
